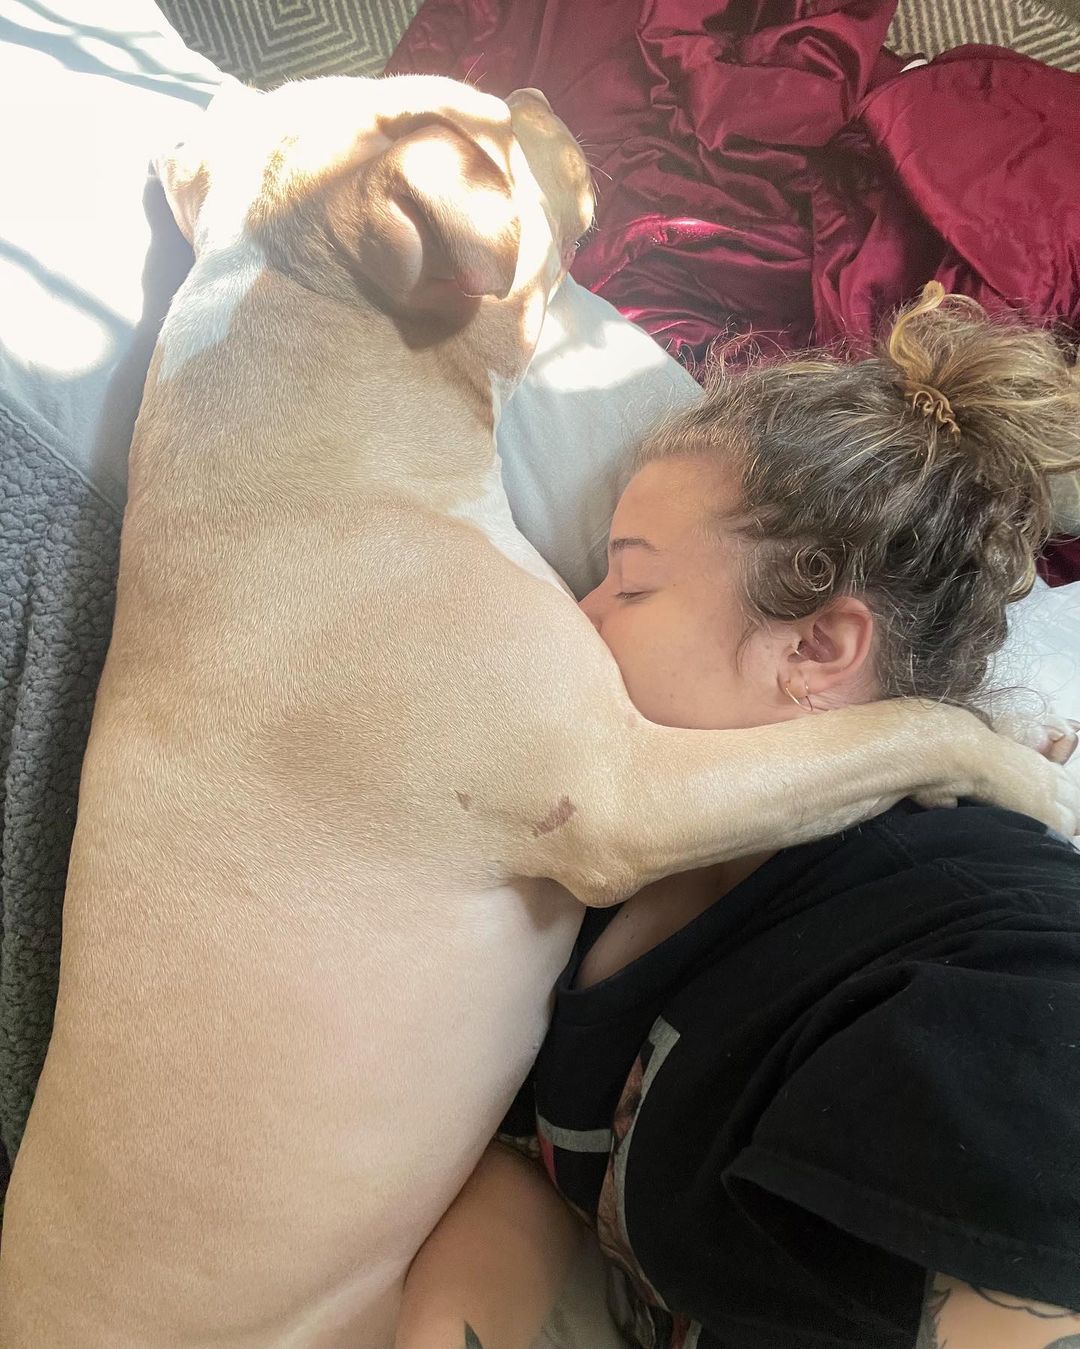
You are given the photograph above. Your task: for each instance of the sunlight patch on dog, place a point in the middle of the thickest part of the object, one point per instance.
(489, 512)
(211, 294)
(538, 262)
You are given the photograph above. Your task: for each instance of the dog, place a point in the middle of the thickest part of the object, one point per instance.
(357, 759)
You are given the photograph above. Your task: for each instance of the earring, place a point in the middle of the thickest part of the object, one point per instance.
(797, 701)
(805, 691)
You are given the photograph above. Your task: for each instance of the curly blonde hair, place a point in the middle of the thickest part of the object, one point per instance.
(917, 478)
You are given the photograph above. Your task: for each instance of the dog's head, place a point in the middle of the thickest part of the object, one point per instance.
(420, 192)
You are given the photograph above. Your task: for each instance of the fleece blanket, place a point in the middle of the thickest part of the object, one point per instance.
(58, 545)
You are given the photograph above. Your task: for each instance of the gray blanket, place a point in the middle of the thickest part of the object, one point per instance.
(58, 550)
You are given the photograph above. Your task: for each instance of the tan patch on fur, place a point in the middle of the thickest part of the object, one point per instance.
(556, 817)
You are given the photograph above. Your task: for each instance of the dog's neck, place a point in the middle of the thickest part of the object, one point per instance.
(217, 395)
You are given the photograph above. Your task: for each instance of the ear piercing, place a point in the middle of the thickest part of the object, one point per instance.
(799, 701)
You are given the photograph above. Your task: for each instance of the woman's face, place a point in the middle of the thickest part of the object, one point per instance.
(669, 608)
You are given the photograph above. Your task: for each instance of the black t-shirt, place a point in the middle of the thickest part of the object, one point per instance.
(860, 1064)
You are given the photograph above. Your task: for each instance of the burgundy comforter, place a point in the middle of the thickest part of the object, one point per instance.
(764, 167)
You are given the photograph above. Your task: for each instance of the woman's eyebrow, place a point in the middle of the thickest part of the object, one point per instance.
(617, 545)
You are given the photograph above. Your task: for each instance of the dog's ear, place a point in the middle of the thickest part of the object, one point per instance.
(437, 221)
(183, 170)
(183, 174)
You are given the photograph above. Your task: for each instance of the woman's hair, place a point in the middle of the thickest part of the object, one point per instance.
(916, 479)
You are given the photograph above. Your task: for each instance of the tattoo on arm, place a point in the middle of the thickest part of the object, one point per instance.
(934, 1300)
(950, 1318)
(1043, 1310)
(472, 1340)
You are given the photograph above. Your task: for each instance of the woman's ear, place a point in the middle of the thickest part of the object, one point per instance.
(829, 659)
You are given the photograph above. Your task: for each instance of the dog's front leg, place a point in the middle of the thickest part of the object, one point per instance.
(643, 801)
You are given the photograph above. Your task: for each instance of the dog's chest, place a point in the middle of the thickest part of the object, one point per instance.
(489, 512)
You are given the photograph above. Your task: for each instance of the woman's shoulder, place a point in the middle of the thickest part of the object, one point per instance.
(971, 828)
(980, 847)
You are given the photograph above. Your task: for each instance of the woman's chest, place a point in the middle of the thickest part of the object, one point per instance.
(657, 913)
(644, 921)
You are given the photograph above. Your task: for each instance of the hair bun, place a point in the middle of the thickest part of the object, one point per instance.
(1006, 395)
(915, 361)
(932, 402)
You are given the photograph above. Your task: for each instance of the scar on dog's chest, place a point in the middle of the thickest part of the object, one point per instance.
(556, 817)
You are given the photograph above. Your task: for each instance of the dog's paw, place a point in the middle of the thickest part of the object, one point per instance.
(1034, 784)
(1057, 740)
(1054, 737)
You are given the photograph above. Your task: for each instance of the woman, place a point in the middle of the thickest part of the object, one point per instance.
(828, 1097)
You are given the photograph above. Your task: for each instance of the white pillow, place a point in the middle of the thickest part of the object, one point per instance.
(89, 254)
(595, 386)
(1038, 669)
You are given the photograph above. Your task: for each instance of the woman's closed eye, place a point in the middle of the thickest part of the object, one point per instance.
(630, 595)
